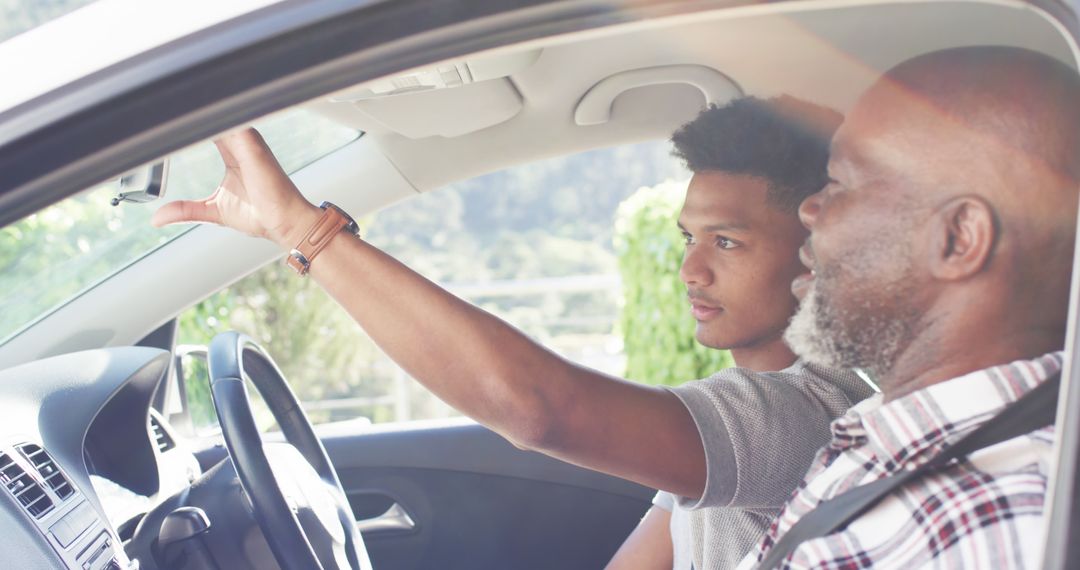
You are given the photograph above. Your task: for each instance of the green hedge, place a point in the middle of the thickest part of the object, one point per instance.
(656, 325)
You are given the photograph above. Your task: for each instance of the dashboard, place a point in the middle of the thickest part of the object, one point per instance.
(128, 478)
(84, 457)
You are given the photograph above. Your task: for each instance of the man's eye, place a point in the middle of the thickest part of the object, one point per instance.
(725, 243)
(688, 239)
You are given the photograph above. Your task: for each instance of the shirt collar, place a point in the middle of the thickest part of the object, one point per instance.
(902, 428)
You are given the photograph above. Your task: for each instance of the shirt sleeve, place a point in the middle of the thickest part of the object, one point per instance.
(760, 433)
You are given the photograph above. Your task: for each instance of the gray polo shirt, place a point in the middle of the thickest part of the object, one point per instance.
(760, 431)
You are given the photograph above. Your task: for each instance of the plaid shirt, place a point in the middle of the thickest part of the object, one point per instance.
(985, 512)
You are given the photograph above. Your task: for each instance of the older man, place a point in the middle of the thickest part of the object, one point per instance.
(941, 253)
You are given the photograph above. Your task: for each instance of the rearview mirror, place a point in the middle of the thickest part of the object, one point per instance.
(144, 184)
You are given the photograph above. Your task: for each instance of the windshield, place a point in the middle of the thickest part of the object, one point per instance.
(50, 257)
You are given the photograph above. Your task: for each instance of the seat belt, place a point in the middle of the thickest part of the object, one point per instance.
(1034, 410)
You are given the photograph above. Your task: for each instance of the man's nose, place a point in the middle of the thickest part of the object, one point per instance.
(809, 209)
(694, 270)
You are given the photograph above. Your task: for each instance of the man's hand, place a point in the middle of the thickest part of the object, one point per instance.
(255, 197)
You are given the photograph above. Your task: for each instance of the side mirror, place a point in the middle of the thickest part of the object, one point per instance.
(144, 184)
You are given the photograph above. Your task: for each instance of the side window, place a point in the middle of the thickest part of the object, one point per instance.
(531, 244)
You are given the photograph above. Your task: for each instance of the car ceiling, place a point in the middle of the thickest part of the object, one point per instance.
(827, 52)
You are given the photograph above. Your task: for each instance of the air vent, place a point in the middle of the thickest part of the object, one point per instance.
(23, 487)
(50, 473)
(161, 437)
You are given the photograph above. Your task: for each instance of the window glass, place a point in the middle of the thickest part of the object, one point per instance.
(50, 257)
(18, 16)
(531, 244)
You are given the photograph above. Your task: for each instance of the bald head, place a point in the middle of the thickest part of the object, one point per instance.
(951, 216)
(979, 119)
(1012, 100)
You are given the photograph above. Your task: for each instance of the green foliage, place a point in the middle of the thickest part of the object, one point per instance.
(657, 328)
(504, 225)
(551, 218)
(51, 256)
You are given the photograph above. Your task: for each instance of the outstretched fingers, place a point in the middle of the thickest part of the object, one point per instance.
(254, 190)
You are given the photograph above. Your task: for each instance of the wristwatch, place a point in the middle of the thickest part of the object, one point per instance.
(333, 221)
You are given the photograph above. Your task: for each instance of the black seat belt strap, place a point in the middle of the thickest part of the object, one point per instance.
(1034, 410)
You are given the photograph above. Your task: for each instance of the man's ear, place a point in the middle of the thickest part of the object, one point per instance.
(964, 232)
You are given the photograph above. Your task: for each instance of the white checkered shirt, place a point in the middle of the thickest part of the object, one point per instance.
(984, 512)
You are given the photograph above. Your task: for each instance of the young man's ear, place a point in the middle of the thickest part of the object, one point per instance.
(964, 233)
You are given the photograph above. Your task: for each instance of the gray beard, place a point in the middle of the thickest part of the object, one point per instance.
(870, 339)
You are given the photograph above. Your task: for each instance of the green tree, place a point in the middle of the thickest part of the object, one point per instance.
(656, 325)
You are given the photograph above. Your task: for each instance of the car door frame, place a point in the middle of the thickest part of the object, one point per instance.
(134, 112)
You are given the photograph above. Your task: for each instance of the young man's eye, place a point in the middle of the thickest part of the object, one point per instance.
(688, 239)
(725, 243)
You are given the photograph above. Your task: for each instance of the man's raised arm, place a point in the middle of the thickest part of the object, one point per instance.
(474, 361)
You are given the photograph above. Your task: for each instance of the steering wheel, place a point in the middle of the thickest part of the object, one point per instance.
(294, 491)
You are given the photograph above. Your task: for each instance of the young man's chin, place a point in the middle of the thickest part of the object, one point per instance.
(713, 339)
(735, 340)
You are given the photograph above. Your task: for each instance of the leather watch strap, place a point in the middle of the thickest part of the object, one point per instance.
(325, 229)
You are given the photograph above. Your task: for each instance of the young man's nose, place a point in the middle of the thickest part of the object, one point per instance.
(809, 209)
(694, 270)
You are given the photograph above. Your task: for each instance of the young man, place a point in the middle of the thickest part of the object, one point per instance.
(754, 161)
(739, 439)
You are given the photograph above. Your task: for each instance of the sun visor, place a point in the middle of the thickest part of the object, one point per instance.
(444, 113)
(447, 75)
(447, 100)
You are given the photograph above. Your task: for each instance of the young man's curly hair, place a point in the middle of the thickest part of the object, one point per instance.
(783, 140)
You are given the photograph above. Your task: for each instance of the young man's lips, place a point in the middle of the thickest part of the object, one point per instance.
(704, 312)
